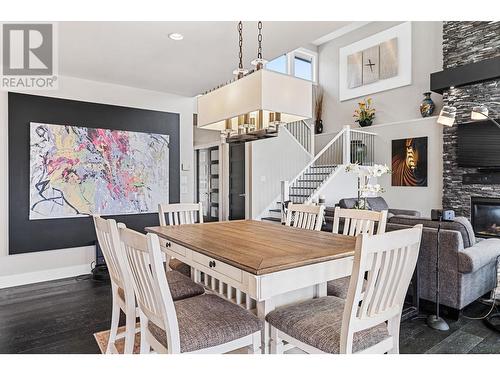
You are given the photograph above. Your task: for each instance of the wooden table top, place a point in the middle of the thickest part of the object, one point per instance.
(258, 247)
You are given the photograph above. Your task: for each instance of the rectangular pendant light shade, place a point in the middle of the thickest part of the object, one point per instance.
(265, 91)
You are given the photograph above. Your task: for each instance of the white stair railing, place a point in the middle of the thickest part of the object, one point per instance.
(347, 146)
(303, 133)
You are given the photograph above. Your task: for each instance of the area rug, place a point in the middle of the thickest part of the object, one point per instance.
(103, 337)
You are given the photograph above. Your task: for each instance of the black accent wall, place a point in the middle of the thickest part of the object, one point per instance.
(35, 235)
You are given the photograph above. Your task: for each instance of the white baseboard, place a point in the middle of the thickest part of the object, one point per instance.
(45, 275)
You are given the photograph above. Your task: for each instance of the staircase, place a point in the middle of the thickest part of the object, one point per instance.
(347, 146)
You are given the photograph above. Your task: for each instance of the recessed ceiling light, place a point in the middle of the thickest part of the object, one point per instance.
(176, 36)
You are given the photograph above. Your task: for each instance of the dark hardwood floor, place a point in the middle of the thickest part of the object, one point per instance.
(61, 317)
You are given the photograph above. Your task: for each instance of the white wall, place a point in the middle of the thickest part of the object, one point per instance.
(343, 185)
(422, 199)
(274, 160)
(391, 105)
(46, 265)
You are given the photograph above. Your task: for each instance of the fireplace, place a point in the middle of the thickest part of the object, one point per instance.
(485, 216)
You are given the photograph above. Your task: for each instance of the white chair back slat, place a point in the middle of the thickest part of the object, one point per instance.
(145, 262)
(180, 213)
(107, 236)
(390, 260)
(359, 221)
(305, 216)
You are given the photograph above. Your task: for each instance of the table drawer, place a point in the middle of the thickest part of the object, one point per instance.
(216, 265)
(181, 250)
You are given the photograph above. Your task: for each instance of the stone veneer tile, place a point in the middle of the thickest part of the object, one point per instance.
(464, 43)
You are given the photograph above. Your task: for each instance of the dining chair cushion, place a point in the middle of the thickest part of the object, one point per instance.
(177, 265)
(181, 286)
(340, 287)
(317, 322)
(208, 320)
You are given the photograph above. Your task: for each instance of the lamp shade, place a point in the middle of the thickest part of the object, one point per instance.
(258, 96)
(447, 116)
(479, 112)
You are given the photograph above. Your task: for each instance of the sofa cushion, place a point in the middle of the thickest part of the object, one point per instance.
(318, 322)
(460, 224)
(475, 257)
(374, 203)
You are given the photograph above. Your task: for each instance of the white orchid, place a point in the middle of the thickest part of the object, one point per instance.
(378, 170)
(352, 167)
(365, 174)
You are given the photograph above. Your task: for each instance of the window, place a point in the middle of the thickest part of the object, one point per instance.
(279, 64)
(303, 68)
(301, 63)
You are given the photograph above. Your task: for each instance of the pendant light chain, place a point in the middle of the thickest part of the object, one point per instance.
(240, 32)
(259, 38)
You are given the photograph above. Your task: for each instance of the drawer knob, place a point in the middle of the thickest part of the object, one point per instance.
(211, 263)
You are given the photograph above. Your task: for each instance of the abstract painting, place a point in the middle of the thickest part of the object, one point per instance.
(409, 162)
(78, 171)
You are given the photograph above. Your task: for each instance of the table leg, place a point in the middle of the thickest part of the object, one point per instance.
(320, 290)
(264, 308)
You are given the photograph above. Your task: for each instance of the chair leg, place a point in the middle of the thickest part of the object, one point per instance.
(276, 342)
(130, 330)
(393, 328)
(255, 347)
(145, 346)
(115, 320)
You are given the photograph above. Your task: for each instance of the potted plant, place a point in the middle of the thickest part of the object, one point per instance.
(365, 188)
(318, 110)
(365, 114)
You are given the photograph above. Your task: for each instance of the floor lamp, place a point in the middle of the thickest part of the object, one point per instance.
(435, 321)
(447, 117)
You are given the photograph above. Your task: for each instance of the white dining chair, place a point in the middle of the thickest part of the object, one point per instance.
(123, 297)
(201, 324)
(359, 221)
(368, 320)
(355, 222)
(305, 216)
(179, 214)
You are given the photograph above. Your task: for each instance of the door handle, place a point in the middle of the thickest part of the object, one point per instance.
(242, 195)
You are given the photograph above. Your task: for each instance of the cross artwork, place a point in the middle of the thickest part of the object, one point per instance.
(373, 64)
(370, 65)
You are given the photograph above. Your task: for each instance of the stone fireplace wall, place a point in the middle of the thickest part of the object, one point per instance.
(464, 43)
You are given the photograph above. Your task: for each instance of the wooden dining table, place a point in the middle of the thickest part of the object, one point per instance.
(259, 265)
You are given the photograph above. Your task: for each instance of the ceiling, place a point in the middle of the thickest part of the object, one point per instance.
(140, 54)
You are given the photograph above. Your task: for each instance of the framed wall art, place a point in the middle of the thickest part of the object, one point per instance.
(377, 63)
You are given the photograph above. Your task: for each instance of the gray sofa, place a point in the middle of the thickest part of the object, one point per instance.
(378, 204)
(467, 266)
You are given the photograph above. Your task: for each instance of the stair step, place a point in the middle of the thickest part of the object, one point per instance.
(275, 210)
(298, 195)
(275, 219)
(324, 166)
(302, 180)
(303, 187)
(316, 173)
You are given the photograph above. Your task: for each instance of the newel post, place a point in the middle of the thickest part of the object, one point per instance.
(285, 191)
(346, 147)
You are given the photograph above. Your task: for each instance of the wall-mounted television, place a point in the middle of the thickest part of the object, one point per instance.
(479, 145)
